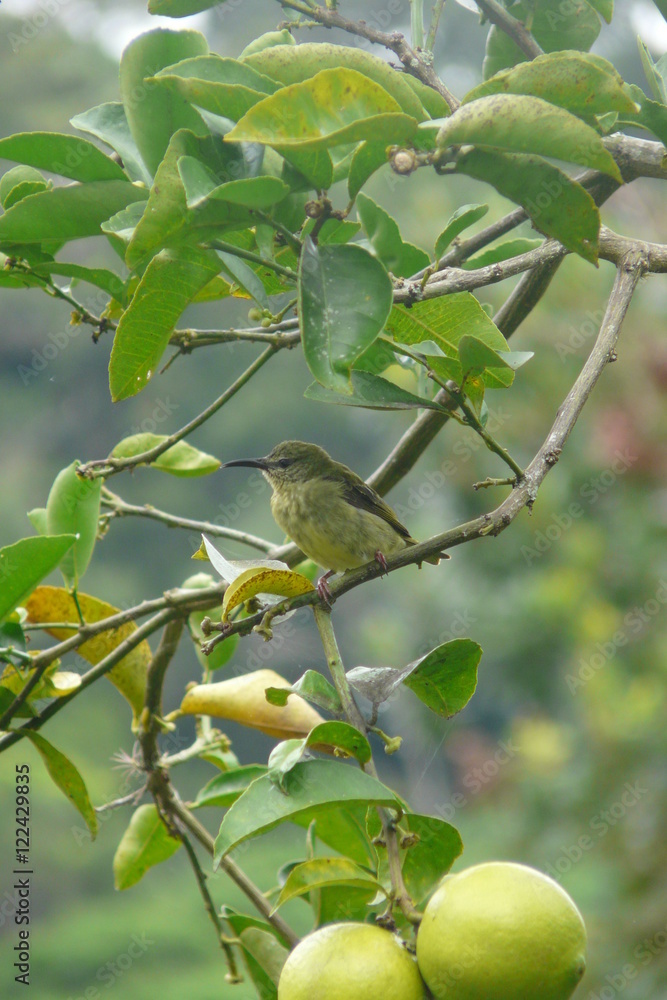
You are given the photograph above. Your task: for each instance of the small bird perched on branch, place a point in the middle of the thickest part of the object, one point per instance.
(329, 511)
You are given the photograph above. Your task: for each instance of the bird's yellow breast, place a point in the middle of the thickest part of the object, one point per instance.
(330, 530)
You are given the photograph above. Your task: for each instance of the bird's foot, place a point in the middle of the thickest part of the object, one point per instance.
(323, 588)
(379, 558)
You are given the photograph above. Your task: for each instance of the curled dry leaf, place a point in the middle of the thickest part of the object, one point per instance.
(242, 699)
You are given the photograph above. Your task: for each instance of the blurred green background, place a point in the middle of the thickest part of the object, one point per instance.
(558, 760)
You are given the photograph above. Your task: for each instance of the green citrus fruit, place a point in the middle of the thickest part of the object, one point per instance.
(501, 931)
(350, 962)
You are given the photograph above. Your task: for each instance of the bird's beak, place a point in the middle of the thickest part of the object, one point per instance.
(251, 463)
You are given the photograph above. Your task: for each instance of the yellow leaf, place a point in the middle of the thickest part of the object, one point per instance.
(242, 700)
(263, 580)
(55, 604)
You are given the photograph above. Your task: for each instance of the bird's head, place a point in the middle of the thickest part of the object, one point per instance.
(290, 462)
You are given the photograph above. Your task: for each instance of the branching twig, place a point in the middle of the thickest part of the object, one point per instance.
(513, 28)
(101, 668)
(110, 466)
(436, 14)
(119, 508)
(394, 41)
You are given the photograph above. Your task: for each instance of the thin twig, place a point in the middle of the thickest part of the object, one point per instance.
(257, 898)
(513, 28)
(436, 14)
(394, 41)
(324, 624)
(254, 258)
(119, 508)
(101, 668)
(233, 975)
(110, 466)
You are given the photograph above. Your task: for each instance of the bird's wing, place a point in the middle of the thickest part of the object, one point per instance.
(359, 494)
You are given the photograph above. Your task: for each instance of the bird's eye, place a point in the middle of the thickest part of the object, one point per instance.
(284, 463)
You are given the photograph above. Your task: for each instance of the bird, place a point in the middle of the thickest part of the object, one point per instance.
(335, 518)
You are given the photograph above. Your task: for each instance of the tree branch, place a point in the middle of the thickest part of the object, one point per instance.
(394, 41)
(110, 466)
(633, 265)
(159, 782)
(119, 508)
(513, 28)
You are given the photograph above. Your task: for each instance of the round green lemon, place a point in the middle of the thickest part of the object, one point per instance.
(350, 961)
(501, 931)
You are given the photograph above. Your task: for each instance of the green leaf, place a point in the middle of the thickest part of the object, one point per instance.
(179, 460)
(27, 180)
(25, 564)
(475, 357)
(463, 218)
(345, 298)
(374, 393)
(316, 689)
(368, 157)
(37, 518)
(343, 830)
(315, 166)
(169, 283)
(270, 959)
(180, 8)
(321, 872)
(267, 41)
(582, 84)
(120, 228)
(605, 8)
(445, 679)
(254, 192)
(73, 508)
(100, 277)
(109, 123)
(335, 107)
(502, 251)
(311, 785)
(435, 852)
(342, 736)
(445, 321)
(153, 112)
(521, 124)
(289, 64)
(652, 115)
(244, 277)
(59, 153)
(224, 87)
(554, 26)
(656, 73)
(402, 259)
(145, 843)
(225, 789)
(263, 953)
(166, 218)
(556, 204)
(66, 777)
(67, 213)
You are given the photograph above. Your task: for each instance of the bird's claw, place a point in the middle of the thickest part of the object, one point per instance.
(323, 588)
(379, 558)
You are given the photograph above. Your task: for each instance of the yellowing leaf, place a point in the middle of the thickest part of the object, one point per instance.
(55, 604)
(263, 581)
(242, 699)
